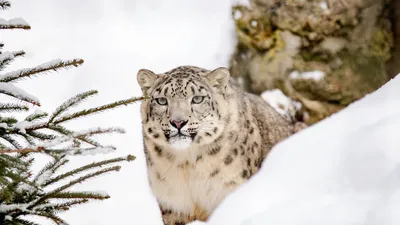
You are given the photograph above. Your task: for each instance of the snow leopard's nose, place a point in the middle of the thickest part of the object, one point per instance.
(178, 124)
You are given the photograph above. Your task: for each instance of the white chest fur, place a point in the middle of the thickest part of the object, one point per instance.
(202, 183)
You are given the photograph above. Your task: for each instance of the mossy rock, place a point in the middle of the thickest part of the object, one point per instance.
(351, 46)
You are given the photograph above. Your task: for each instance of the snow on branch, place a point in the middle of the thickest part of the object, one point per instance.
(83, 151)
(98, 109)
(12, 90)
(52, 65)
(16, 23)
(7, 57)
(86, 133)
(60, 140)
(12, 107)
(87, 167)
(36, 115)
(35, 126)
(72, 102)
(84, 194)
(12, 207)
(23, 150)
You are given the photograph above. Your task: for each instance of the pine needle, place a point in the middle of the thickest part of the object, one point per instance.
(54, 65)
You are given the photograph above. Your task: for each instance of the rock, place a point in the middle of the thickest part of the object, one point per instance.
(282, 41)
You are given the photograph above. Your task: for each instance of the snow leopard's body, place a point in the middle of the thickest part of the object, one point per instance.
(203, 137)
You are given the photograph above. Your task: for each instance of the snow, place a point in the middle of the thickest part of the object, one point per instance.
(237, 14)
(11, 89)
(14, 21)
(315, 75)
(26, 188)
(284, 105)
(22, 125)
(343, 170)
(324, 5)
(241, 2)
(336, 168)
(102, 193)
(254, 23)
(18, 73)
(38, 111)
(8, 208)
(333, 45)
(84, 133)
(89, 151)
(44, 177)
(6, 56)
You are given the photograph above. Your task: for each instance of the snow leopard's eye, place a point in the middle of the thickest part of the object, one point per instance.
(197, 99)
(161, 101)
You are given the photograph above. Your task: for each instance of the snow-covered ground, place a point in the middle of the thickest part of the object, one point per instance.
(344, 170)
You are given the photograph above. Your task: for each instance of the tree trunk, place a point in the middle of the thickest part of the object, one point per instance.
(324, 54)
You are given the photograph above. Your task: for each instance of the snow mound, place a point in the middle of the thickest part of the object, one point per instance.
(344, 170)
(281, 103)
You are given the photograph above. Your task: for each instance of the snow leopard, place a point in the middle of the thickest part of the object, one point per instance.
(203, 137)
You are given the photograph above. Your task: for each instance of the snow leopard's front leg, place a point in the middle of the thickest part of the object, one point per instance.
(174, 218)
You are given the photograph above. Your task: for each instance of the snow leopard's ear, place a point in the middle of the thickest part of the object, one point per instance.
(218, 78)
(146, 80)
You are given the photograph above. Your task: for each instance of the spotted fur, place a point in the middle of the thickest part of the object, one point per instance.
(222, 143)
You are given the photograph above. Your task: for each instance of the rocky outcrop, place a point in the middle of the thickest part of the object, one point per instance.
(324, 54)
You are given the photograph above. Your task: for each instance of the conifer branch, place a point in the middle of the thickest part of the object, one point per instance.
(56, 141)
(14, 26)
(12, 107)
(87, 167)
(13, 91)
(17, 163)
(11, 141)
(81, 151)
(28, 138)
(41, 136)
(23, 222)
(54, 125)
(16, 23)
(21, 192)
(54, 65)
(81, 134)
(4, 4)
(63, 206)
(51, 166)
(50, 216)
(98, 109)
(72, 183)
(7, 57)
(65, 131)
(37, 115)
(81, 195)
(24, 150)
(8, 120)
(72, 102)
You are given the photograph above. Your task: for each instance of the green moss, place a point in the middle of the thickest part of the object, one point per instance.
(381, 43)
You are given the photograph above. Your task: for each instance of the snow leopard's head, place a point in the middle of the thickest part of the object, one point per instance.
(186, 106)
